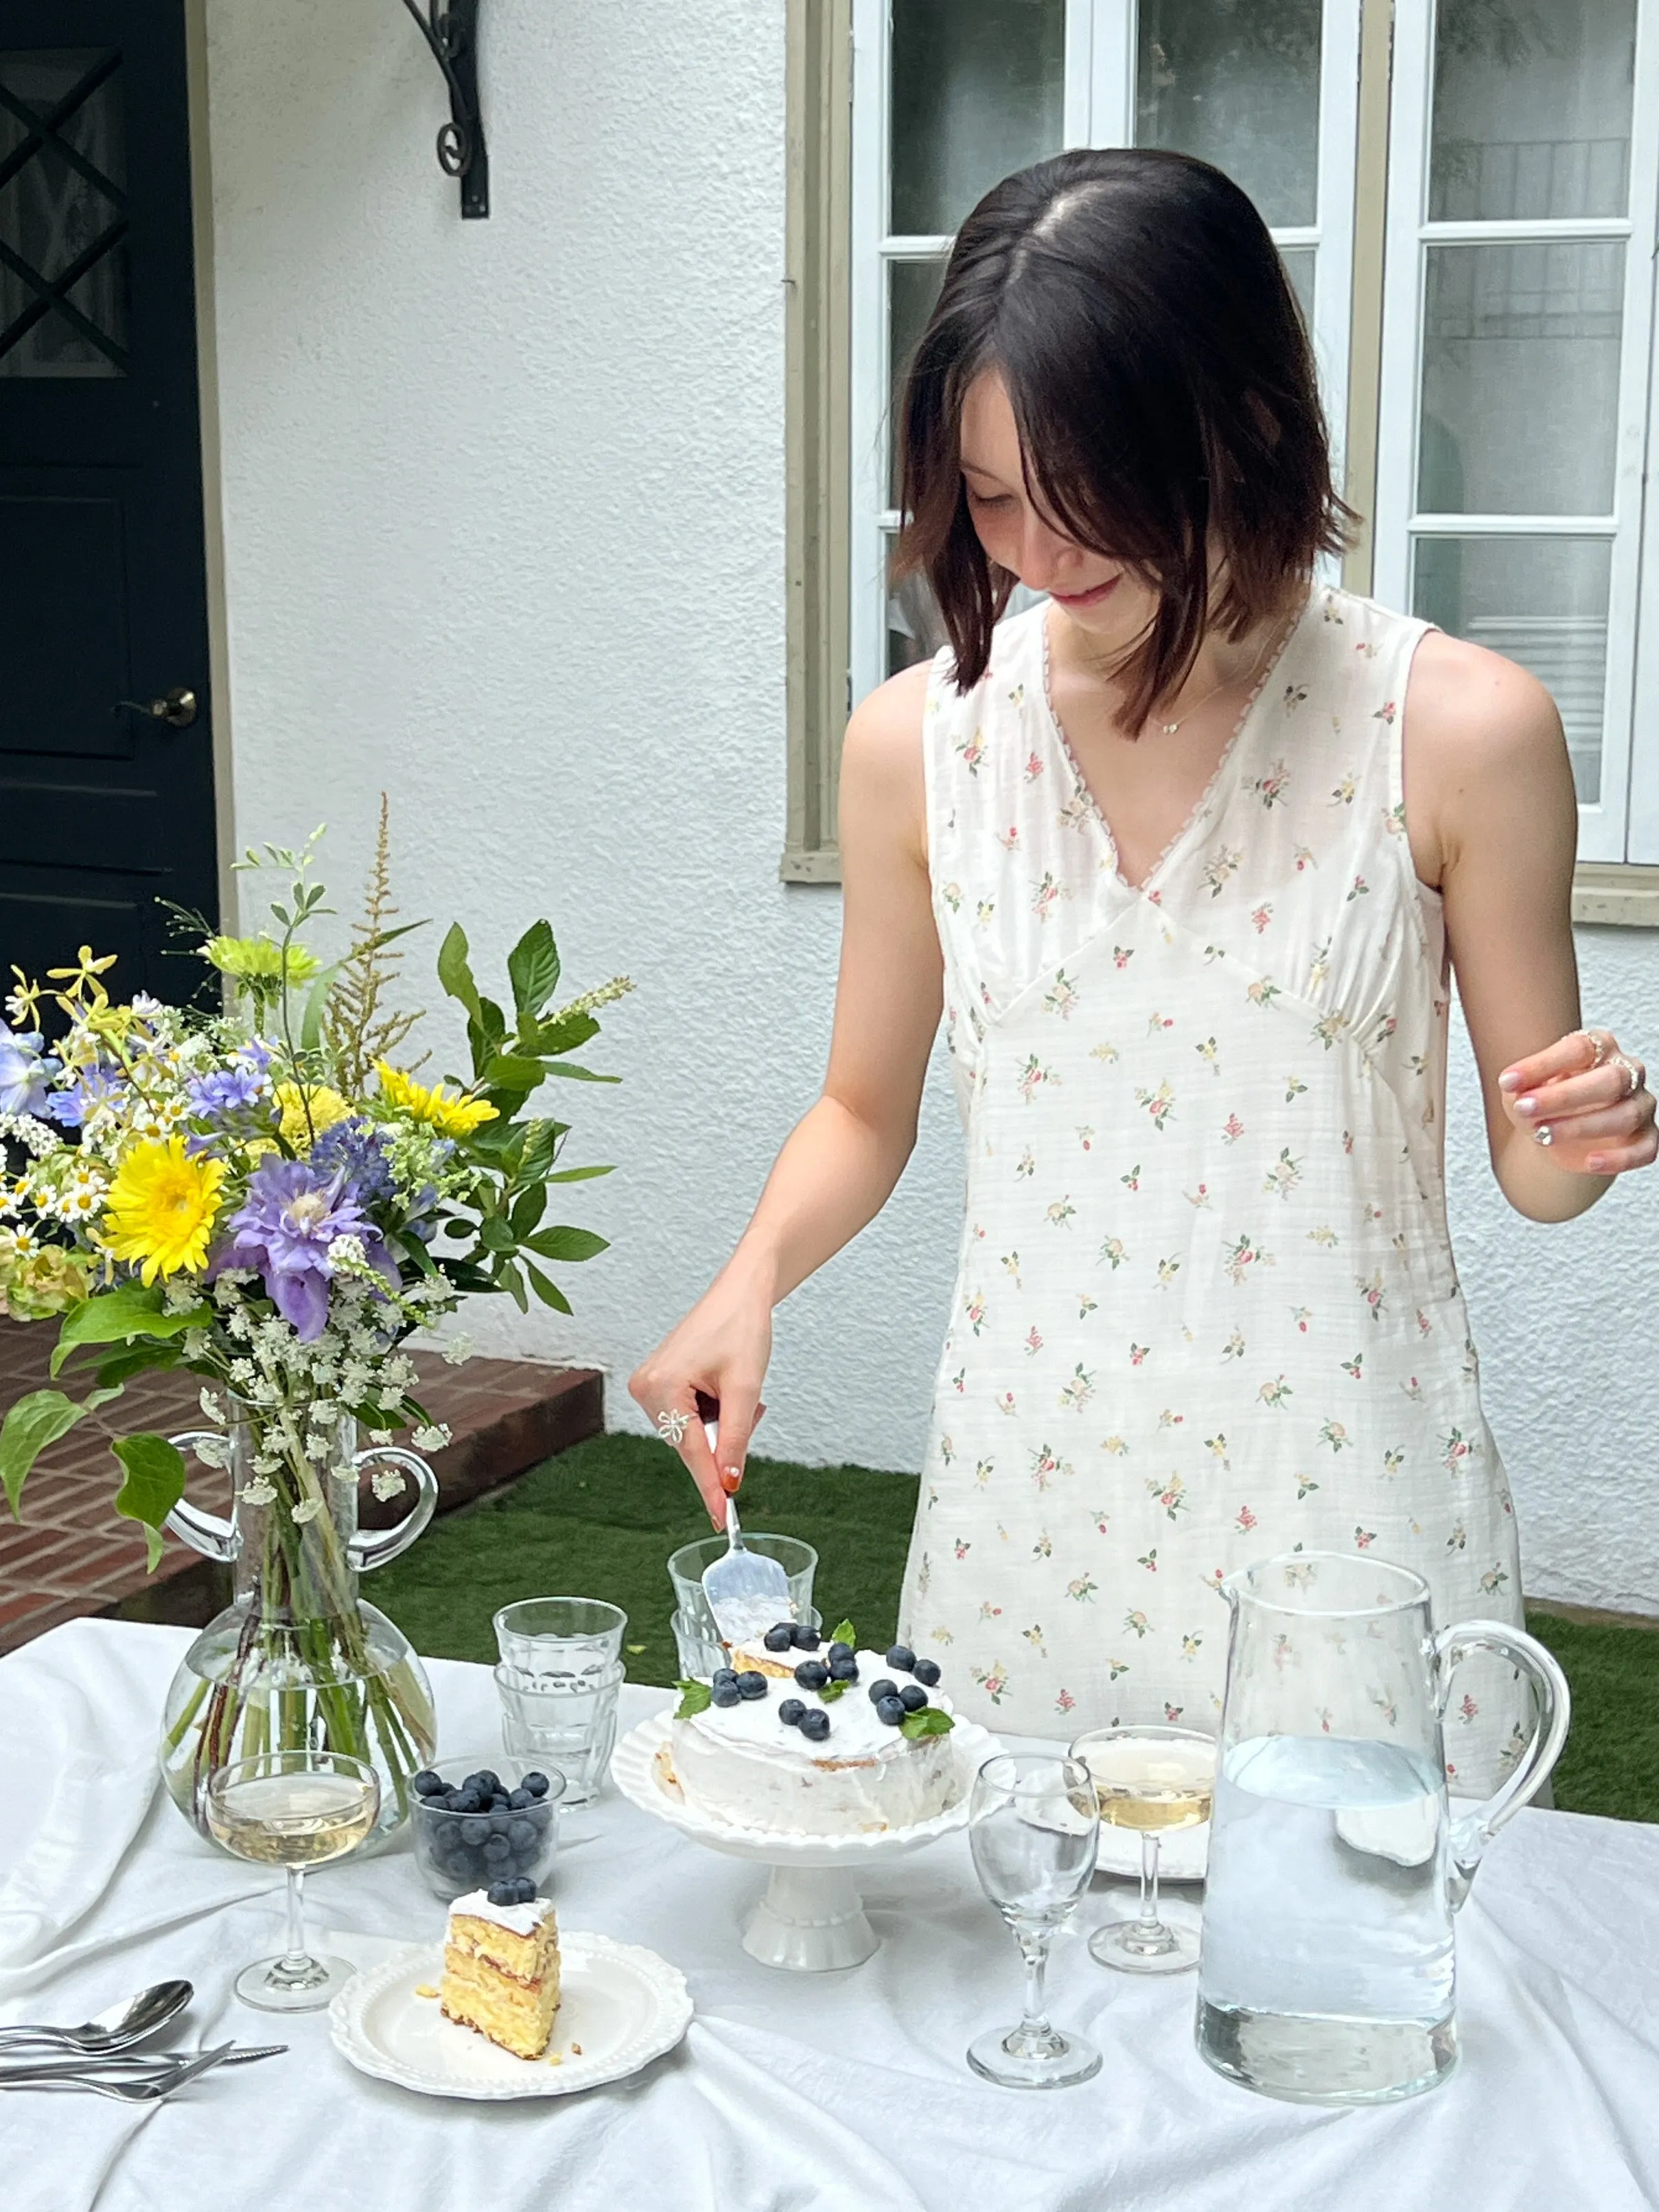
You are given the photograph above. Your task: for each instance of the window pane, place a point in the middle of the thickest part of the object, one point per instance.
(914, 631)
(912, 289)
(1298, 262)
(977, 91)
(1521, 378)
(1532, 109)
(1236, 83)
(1543, 601)
(63, 213)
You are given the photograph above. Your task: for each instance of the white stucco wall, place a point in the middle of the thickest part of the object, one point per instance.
(503, 508)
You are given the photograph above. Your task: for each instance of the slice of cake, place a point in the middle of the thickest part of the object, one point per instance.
(502, 1966)
(851, 1742)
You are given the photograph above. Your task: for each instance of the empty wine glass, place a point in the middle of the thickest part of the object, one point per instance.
(293, 1809)
(1150, 1780)
(1034, 1829)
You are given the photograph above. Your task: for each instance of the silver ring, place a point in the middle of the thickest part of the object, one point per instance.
(1543, 1134)
(1596, 1046)
(672, 1427)
(1632, 1074)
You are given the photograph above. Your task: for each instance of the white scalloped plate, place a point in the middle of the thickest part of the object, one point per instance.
(625, 2006)
(634, 1769)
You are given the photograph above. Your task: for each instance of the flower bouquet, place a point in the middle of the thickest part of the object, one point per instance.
(266, 1196)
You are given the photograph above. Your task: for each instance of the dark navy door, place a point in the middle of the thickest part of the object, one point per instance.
(105, 718)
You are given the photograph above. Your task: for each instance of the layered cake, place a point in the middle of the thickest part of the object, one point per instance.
(502, 1966)
(806, 1739)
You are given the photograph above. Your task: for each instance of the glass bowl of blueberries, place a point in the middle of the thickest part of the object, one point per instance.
(477, 1823)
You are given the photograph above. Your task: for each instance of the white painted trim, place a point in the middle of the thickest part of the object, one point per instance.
(867, 432)
(1642, 818)
(1112, 88)
(1547, 230)
(1078, 106)
(1332, 232)
(919, 246)
(1513, 525)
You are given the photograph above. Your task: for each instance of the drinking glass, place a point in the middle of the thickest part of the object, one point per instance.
(797, 1560)
(568, 1722)
(1034, 1829)
(293, 1809)
(701, 1653)
(560, 1637)
(1151, 1779)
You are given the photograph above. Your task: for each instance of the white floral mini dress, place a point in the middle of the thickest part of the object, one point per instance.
(1206, 1309)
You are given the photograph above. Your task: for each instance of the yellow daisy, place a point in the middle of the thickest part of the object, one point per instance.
(327, 1107)
(456, 1116)
(161, 1207)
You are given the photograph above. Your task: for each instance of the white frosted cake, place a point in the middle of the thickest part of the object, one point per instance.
(767, 1744)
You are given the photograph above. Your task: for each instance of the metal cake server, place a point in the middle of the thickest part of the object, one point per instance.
(746, 1592)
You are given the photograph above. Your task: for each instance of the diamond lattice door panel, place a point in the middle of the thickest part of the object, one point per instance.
(104, 807)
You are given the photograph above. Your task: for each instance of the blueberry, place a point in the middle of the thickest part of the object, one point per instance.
(502, 1892)
(724, 1675)
(890, 1710)
(790, 1711)
(926, 1672)
(844, 1670)
(805, 1638)
(475, 1829)
(903, 1658)
(517, 1799)
(497, 1849)
(725, 1693)
(527, 1890)
(913, 1697)
(751, 1684)
(839, 1651)
(815, 1724)
(500, 1801)
(811, 1674)
(523, 1834)
(537, 1784)
(427, 1785)
(780, 1637)
(882, 1689)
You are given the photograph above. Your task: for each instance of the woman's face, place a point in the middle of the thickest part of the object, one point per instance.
(1105, 598)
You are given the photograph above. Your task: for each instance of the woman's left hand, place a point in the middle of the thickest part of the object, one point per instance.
(1587, 1101)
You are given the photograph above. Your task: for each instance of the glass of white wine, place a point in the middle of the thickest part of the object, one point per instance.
(293, 1809)
(1149, 1779)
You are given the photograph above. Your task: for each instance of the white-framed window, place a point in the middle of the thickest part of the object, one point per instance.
(1511, 409)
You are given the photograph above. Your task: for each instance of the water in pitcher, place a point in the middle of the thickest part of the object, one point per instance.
(1326, 1960)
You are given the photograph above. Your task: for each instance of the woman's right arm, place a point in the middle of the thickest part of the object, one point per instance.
(843, 1159)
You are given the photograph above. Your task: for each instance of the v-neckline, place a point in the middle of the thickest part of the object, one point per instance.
(1149, 884)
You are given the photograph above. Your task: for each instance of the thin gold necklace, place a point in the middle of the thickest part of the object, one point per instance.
(1169, 729)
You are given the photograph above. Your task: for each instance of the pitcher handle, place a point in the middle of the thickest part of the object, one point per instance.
(373, 1547)
(204, 1532)
(1473, 1832)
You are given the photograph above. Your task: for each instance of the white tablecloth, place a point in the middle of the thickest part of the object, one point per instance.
(839, 2093)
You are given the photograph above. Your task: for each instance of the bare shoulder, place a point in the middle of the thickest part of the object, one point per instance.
(881, 770)
(1483, 746)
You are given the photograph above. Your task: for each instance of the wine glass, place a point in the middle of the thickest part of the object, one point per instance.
(293, 1809)
(1034, 1829)
(1151, 1779)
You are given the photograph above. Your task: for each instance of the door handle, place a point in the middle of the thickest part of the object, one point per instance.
(177, 706)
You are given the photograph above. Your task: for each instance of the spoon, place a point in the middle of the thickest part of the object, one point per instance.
(117, 2029)
(746, 1591)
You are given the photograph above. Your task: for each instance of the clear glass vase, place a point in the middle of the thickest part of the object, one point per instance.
(297, 1661)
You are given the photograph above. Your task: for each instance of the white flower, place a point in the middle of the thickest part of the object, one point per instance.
(346, 1253)
(380, 1436)
(308, 1508)
(213, 1406)
(433, 1438)
(178, 1296)
(196, 1342)
(388, 1401)
(386, 1481)
(34, 1136)
(241, 1374)
(215, 1451)
(259, 1493)
(457, 1351)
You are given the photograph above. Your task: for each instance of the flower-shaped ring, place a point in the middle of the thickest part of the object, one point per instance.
(671, 1426)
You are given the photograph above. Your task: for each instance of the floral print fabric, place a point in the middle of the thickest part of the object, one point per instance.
(1206, 1309)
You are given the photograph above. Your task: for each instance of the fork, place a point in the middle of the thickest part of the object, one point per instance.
(143, 2082)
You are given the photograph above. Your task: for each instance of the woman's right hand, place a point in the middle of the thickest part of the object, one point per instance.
(718, 1351)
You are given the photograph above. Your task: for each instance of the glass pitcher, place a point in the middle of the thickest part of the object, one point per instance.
(1325, 1972)
(297, 1660)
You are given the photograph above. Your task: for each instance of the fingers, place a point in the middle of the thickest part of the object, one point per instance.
(1569, 1055)
(694, 1449)
(740, 1410)
(672, 1406)
(1622, 1123)
(1605, 1086)
(1619, 1159)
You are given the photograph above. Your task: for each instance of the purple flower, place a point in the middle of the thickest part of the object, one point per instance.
(358, 1147)
(93, 1087)
(24, 1072)
(291, 1217)
(226, 1092)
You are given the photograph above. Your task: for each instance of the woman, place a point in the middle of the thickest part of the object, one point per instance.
(1185, 853)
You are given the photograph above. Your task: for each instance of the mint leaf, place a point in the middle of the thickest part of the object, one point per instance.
(930, 1721)
(844, 1632)
(694, 1698)
(831, 1691)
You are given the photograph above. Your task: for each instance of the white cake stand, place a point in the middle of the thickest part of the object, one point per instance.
(811, 1917)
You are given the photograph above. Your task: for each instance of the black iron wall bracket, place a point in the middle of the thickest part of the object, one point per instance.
(450, 28)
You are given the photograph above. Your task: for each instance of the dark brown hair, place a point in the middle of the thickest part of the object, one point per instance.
(1163, 383)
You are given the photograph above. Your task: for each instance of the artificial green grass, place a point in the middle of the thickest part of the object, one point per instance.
(600, 1521)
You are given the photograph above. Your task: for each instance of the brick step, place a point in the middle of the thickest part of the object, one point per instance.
(73, 1554)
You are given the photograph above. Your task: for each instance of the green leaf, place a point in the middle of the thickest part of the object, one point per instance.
(831, 1691)
(540, 1148)
(155, 1484)
(137, 1360)
(694, 1698)
(495, 1234)
(844, 1632)
(569, 1067)
(34, 1422)
(548, 1292)
(578, 1175)
(510, 1070)
(455, 972)
(311, 1022)
(930, 1721)
(511, 1279)
(117, 1317)
(564, 1033)
(532, 968)
(568, 1244)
